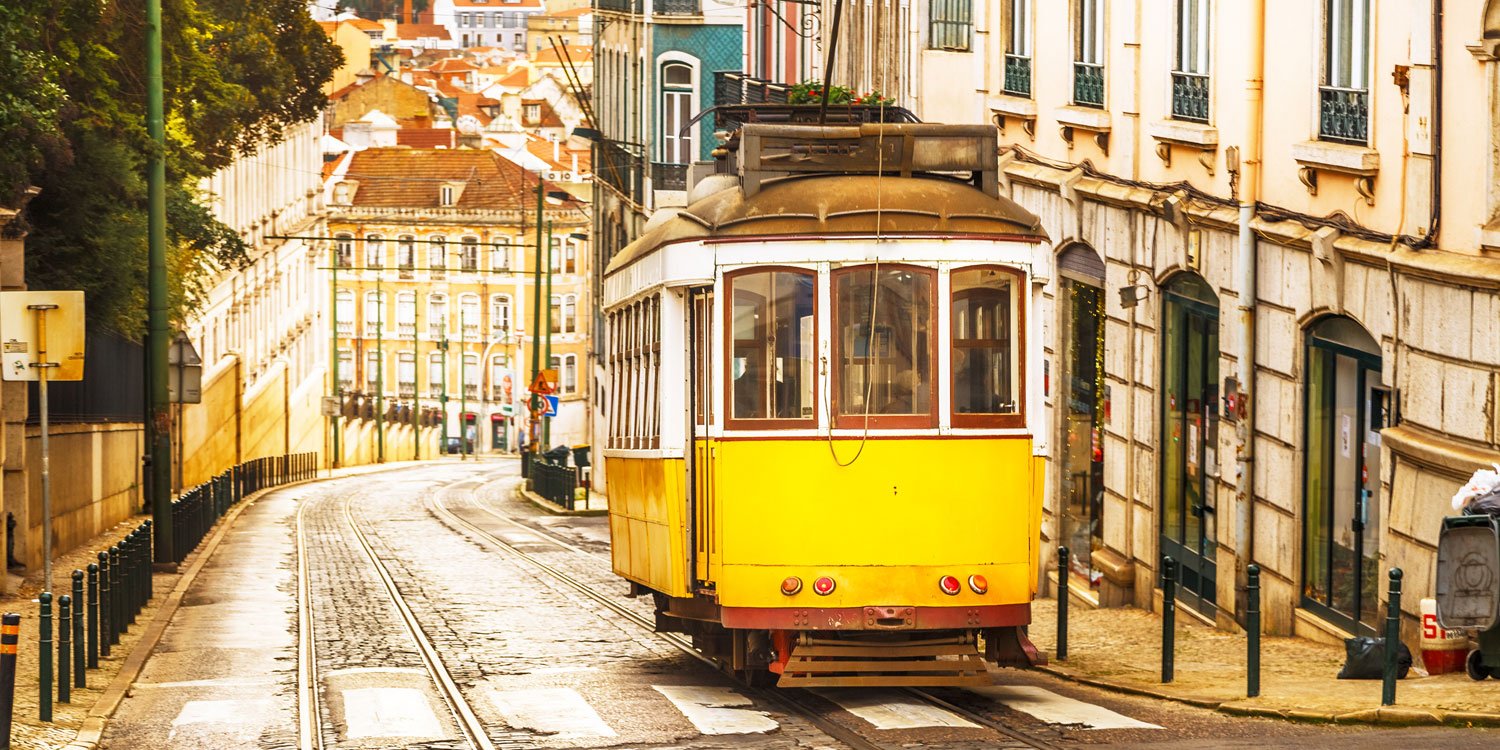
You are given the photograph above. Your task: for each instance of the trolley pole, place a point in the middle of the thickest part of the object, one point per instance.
(536, 314)
(379, 374)
(157, 340)
(443, 400)
(463, 383)
(547, 421)
(333, 324)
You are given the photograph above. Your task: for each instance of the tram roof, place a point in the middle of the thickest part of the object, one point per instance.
(834, 205)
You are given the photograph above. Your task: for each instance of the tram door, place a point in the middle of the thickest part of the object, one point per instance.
(1190, 426)
(700, 468)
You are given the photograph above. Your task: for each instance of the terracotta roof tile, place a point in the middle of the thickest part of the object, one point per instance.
(365, 25)
(577, 52)
(427, 137)
(453, 65)
(386, 178)
(414, 31)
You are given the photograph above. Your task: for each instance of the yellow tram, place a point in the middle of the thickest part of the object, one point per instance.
(823, 410)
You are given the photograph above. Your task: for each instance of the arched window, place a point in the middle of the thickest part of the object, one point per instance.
(374, 251)
(437, 316)
(406, 314)
(406, 252)
(502, 386)
(373, 379)
(346, 370)
(499, 315)
(471, 375)
(499, 254)
(468, 315)
(554, 314)
(406, 373)
(343, 247)
(343, 312)
(469, 254)
(677, 111)
(570, 313)
(437, 252)
(436, 380)
(374, 313)
(569, 374)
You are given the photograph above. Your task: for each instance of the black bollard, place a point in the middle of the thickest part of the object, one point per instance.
(116, 596)
(146, 540)
(80, 662)
(1062, 603)
(1252, 631)
(64, 649)
(93, 616)
(44, 652)
(106, 609)
(10, 642)
(1392, 639)
(1168, 618)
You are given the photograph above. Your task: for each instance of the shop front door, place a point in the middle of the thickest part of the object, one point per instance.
(1190, 418)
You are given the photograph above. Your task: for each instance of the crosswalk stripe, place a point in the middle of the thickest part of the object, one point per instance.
(889, 709)
(390, 712)
(717, 710)
(222, 721)
(560, 712)
(1060, 709)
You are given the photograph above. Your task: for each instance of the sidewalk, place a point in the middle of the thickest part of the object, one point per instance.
(1120, 649)
(78, 723)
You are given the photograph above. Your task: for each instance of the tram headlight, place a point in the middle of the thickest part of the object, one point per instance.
(949, 585)
(978, 583)
(791, 585)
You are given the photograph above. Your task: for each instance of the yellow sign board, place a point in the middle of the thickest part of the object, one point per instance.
(24, 316)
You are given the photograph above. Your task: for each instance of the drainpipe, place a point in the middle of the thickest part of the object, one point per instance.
(1250, 162)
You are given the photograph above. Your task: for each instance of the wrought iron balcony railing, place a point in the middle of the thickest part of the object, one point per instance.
(619, 6)
(1190, 95)
(1088, 84)
(678, 7)
(1018, 75)
(619, 165)
(1344, 115)
(732, 87)
(668, 176)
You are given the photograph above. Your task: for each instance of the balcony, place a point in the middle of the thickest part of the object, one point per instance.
(372, 330)
(668, 176)
(406, 330)
(678, 7)
(731, 87)
(1088, 85)
(471, 390)
(1344, 115)
(344, 328)
(1017, 75)
(436, 331)
(407, 390)
(622, 169)
(618, 6)
(1190, 97)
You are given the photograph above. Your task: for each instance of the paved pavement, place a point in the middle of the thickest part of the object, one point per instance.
(534, 662)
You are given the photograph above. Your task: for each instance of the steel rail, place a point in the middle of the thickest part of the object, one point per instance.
(309, 709)
(841, 733)
(685, 644)
(463, 713)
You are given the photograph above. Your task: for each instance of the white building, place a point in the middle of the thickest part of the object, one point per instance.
(486, 23)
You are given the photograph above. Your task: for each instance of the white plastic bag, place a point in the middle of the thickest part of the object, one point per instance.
(1482, 483)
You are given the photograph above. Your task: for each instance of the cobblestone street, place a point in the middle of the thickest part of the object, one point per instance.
(512, 650)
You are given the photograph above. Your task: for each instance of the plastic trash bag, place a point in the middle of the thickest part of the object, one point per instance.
(1487, 504)
(1365, 659)
(1483, 482)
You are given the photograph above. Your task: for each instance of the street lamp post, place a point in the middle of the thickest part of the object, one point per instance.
(338, 392)
(547, 421)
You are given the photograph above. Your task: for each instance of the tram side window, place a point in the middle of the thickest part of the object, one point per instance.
(772, 346)
(987, 348)
(883, 347)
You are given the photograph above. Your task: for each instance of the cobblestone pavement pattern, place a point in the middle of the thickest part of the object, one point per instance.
(541, 665)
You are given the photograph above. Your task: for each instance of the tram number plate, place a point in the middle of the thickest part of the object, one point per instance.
(890, 618)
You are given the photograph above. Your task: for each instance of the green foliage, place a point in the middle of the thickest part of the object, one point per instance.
(72, 122)
(811, 92)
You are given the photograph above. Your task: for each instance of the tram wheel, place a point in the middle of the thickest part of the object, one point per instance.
(1474, 665)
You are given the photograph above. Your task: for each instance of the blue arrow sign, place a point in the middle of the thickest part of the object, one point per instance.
(551, 406)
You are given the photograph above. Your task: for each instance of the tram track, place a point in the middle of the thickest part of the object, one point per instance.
(781, 698)
(308, 685)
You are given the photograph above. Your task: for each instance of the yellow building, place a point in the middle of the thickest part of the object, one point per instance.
(355, 42)
(432, 270)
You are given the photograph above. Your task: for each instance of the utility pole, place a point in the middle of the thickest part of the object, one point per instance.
(156, 355)
(338, 392)
(443, 401)
(551, 261)
(379, 373)
(463, 383)
(536, 315)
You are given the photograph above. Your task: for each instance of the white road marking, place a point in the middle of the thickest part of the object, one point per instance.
(560, 712)
(717, 710)
(889, 709)
(1060, 709)
(216, 682)
(231, 721)
(389, 712)
(563, 670)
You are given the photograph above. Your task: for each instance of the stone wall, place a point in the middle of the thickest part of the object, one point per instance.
(96, 483)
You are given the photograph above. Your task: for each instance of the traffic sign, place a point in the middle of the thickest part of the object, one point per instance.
(551, 406)
(545, 383)
(64, 330)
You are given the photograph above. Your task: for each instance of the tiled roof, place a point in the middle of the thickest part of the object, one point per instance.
(542, 149)
(411, 178)
(572, 12)
(365, 25)
(521, 78)
(427, 137)
(452, 65)
(578, 53)
(414, 31)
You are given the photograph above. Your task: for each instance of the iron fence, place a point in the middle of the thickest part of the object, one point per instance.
(731, 87)
(554, 482)
(622, 169)
(195, 511)
(668, 176)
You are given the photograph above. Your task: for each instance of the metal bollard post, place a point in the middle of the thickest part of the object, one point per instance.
(1392, 639)
(147, 560)
(1062, 603)
(117, 595)
(44, 653)
(10, 641)
(64, 649)
(93, 617)
(80, 662)
(132, 551)
(106, 609)
(1252, 631)
(1168, 619)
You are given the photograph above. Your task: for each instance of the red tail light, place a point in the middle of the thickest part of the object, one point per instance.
(791, 585)
(823, 586)
(949, 585)
(978, 583)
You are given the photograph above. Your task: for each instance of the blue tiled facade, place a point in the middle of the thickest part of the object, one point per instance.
(716, 48)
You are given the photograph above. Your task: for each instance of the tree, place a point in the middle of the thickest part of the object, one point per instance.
(236, 74)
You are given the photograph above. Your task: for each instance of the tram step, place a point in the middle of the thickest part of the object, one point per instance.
(832, 664)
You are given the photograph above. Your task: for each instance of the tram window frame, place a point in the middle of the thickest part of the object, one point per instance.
(766, 423)
(921, 420)
(990, 420)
